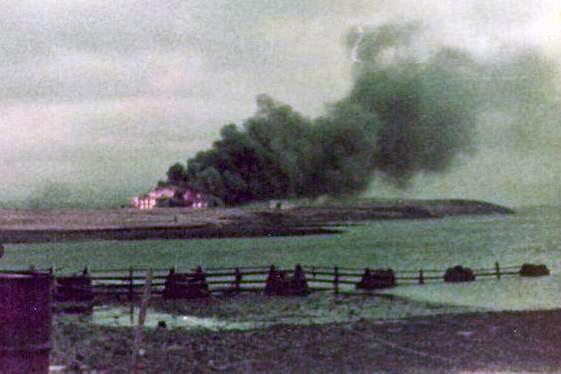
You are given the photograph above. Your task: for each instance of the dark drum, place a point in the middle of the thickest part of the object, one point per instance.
(25, 322)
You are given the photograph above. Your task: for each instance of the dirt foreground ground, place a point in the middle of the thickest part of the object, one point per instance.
(478, 342)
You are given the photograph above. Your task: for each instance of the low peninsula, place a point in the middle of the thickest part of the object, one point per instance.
(279, 219)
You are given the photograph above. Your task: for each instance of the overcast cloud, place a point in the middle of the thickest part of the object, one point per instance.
(105, 95)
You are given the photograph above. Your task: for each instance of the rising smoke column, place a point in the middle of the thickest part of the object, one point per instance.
(403, 116)
(263, 159)
(427, 106)
(506, 105)
(279, 153)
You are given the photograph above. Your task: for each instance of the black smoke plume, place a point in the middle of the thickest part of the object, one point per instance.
(280, 153)
(408, 112)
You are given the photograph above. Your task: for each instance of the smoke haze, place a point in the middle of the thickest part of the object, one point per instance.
(99, 98)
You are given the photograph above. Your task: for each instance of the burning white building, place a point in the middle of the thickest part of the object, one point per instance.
(195, 199)
(170, 196)
(143, 202)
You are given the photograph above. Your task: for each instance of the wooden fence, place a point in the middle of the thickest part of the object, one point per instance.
(126, 284)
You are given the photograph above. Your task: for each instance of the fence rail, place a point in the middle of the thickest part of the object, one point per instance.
(128, 282)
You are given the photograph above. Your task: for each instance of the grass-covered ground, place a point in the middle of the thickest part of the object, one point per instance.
(481, 342)
(401, 244)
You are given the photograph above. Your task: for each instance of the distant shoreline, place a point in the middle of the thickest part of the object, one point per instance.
(156, 233)
(35, 226)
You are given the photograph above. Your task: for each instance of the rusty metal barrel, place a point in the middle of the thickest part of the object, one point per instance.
(25, 322)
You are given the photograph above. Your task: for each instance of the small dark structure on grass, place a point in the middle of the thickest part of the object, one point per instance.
(376, 279)
(280, 284)
(533, 270)
(186, 286)
(459, 274)
(74, 294)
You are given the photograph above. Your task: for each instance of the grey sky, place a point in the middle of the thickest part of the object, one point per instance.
(110, 93)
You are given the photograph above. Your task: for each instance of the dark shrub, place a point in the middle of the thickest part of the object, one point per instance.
(533, 270)
(459, 274)
(377, 279)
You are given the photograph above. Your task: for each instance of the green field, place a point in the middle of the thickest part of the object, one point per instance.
(474, 241)
(531, 236)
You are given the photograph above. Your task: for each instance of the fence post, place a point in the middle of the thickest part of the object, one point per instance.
(131, 283)
(139, 327)
(238, 280)
(52, 288)
(130, 296)
(421, 277)
(336, 280)
(498, 270)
